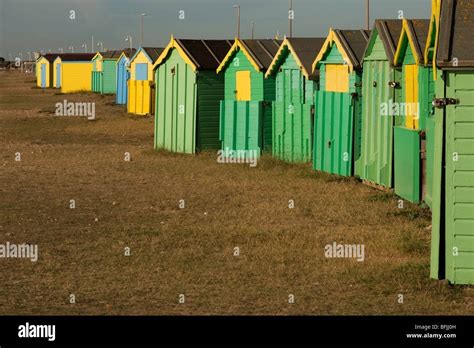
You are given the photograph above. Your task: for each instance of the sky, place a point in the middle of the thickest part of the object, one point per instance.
(47, 25)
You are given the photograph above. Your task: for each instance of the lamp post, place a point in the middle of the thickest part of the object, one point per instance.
(101, 45)
(290, 17)
(84, 46)
(143, 15)
(129, 38)
(60, 50)
(367, 14)
(253, 30)
(238, 20)
(71, 48)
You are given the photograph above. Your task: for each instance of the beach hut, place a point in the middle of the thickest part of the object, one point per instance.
(417, 92)
(452, 253)
(188, 94)
(246, 109)
(109, 71)
(141, 85)
(73, 72)
(293, 108)
(44, 70)
(123, 75)
(380, 90)
(104, 72)
(338, 102)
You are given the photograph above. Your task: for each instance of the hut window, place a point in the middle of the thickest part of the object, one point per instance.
(242, 86)
(337, 78)
(141, 72)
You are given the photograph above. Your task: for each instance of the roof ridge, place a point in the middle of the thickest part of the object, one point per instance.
(210, 51)
(179, 41)
(265, 49)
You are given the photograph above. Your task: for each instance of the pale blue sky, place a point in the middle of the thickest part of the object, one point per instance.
(33, 25)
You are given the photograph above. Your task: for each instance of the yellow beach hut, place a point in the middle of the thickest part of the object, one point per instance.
(140, 85)
(44, 70)
(73, 71)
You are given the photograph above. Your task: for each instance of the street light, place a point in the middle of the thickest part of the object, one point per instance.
(71, 48)
(143, 15)
(84, 46)
(290, 17)
(129, 38)
(253, 30)
(101, 46)
(238, 20)
(60, 50)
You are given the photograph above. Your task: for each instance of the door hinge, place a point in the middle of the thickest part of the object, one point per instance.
(442, 102)
(312, 110)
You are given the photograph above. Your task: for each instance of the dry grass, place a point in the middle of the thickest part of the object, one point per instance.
(190, 251)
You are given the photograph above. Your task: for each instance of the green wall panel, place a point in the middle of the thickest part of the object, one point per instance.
(407, 164)
(109, 76)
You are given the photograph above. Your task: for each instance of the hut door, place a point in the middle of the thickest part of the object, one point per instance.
(411, 96)
(242, 85)
(43, 75)
(58, 75)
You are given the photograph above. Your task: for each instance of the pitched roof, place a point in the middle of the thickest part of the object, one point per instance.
(153, 52)
(260, 52)
(50, 57)
(304, 50)
(128, 52)
(76, 57)
(111, 54)
(456, 34)
(351, 44)
(389, 31)
(200, 54)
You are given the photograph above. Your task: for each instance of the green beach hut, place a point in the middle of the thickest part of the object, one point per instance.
(246, 108)
(338, 102)
(188, 92)
(96, 79)
(452, 251)
(410, 168)
(293, 108)
(380, 90)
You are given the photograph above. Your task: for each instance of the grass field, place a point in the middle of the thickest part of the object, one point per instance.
(190, 251)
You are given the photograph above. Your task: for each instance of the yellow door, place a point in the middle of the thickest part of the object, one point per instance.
(411, 96)
(337, 78)
(242, 86)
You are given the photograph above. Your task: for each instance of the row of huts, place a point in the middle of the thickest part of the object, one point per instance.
(393, 106)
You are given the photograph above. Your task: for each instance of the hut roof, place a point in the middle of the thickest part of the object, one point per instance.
(153, 52)
(351, 44)
(200, 54)
(389, 31)
(259, 52)
(415, 31)
(50, 57)
(76, 57)
(304, 50)
(114, 54)
(455, 34)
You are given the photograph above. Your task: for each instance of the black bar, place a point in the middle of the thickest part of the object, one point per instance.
(136, 331)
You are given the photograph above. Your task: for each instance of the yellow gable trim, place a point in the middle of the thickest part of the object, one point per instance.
(97, 54)
(330, 40)
(238, 45)
(406, 34)
(174, 45)
(273, 65)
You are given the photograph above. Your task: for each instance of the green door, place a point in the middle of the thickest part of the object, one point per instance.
(460, 178)
(334, 133)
